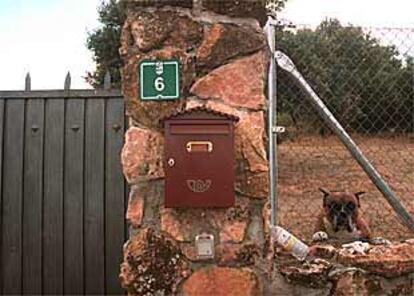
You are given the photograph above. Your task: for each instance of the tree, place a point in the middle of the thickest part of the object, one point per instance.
(104, 42)
(364, 83)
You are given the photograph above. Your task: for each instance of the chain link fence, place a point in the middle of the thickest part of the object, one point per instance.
(366, 78)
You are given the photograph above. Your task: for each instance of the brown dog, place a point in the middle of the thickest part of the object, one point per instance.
(340, 218)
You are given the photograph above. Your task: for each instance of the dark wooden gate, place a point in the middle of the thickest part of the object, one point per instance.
(62, 193)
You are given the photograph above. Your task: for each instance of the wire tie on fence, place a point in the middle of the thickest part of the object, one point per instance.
(279, 129)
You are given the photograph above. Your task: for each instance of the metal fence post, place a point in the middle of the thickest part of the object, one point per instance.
(272, 96)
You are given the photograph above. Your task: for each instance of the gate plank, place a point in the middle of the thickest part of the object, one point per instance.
(12, 197)
(53, 198)
(33, 197)
(1, 188)
(114, 193)
(94, 197)
(73, 204)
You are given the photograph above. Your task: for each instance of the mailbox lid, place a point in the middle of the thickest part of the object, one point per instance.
(202, 147)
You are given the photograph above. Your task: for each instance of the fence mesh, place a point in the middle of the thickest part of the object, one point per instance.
(366, 78)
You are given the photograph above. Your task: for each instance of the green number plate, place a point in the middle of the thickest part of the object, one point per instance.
(159, 80)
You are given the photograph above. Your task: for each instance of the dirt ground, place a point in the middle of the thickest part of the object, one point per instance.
(311, 162)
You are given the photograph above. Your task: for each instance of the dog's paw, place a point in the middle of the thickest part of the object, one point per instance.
(379, 241)
(320, 236)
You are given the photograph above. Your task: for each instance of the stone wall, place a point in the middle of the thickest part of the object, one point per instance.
(224, 60)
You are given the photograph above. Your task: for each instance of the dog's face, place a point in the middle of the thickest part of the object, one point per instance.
(341, 209)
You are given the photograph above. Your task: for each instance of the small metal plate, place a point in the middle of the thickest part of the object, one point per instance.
(204, 244)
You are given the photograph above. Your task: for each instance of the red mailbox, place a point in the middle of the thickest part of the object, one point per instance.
(199, 159)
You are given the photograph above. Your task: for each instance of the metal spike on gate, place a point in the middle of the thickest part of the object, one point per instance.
(68, 81)
(28, 82)
(107, 80)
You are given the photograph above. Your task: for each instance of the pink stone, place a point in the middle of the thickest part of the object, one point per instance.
(174, 225)
(233, 231)
(184, 224)
(387, 261)
(251, 158)
(135, 210)
(240, 84)
(150, 255)
(222, 281)
(142, 155)
(227, 253)
(225, 41)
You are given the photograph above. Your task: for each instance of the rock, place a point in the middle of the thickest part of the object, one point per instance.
(239, 84)
(232, 226)
(233, 231)
(225, 41)
(398, 286)
(255, 231)
(250, 136)
(387, 261)
(266, 212)
(192, 102)
(356, 282)
(142, 155)
(238, 8)
(251, 158)
(152, 264)
(189, 251)
(351, 283)
(323, 251)
(251, 131)
(410, 241)
(159, 3)
(237, 254)
(173, 224)
(253, 185)
(280, 286)
(150, 30)
(184, 224)
(222, 281)
(135, 211)
(145, 197)
(227, 254)
(186, 34)
(312, 274)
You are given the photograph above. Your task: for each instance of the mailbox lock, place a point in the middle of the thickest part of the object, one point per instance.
(171, 162)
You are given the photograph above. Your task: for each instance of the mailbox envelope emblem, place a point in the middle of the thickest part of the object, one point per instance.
(199, 186)
(199, 159)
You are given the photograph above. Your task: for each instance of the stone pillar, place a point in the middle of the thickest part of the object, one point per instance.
(224, 60)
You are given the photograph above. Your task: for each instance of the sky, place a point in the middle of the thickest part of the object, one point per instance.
(382, 13)
(47, 37)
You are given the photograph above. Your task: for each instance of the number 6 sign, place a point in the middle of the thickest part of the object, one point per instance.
(159, 80)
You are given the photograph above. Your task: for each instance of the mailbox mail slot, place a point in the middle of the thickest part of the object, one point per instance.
(199, 159)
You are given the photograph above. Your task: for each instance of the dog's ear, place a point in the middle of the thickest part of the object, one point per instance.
(326, 193)
(357, 195)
